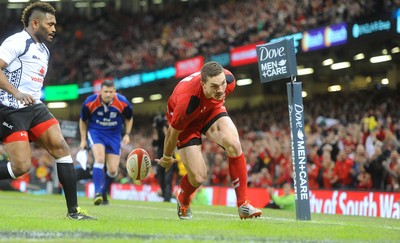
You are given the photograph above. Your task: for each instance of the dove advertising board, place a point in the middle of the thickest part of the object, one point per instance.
(298, 145)
(276, 60)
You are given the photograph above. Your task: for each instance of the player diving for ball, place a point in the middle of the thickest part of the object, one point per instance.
(196, 107)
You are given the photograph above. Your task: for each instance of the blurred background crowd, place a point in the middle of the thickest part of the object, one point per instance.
(352, 143)
(352, 140)
(117, 43)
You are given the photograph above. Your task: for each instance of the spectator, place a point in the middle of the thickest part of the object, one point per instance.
(285, 202)
(363, 180)
(392, 166)
(314, 175)
(360, 160)
(375, 167)
(220, 171)
(329, 177)
(342, 170)
(102, 48)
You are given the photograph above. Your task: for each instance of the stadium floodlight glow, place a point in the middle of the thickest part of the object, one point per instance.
(15, 5)
(244, 81)
(157, 1)
(327, 62)
(304, 71)
(155, 97)
(334, 88)
(384, 51)
(99, 5)
(378, 59)
(57, 105)
(340, 65)
(358, 56)
(395, 50)
(368, 79)
(81, 5)
(304, 93)
(18, 1)
(50, 0)
(385, 81)
(137, 100)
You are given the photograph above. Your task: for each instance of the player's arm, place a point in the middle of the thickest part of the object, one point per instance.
(171, 138)
(83, 128)
(7, 86)
(128, 129)
(127, 113)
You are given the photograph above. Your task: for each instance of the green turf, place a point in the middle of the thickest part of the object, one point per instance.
(38, 218)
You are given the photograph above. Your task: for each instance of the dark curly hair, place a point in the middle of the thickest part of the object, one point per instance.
(38, 6)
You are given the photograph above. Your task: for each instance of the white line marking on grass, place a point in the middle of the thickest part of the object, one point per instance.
(196, 213)
(264, 218)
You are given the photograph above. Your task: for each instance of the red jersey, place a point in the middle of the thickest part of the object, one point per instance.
(342, 170)
(188, 105)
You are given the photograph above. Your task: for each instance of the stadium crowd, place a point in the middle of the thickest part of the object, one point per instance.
(352, 142)
(115, 43)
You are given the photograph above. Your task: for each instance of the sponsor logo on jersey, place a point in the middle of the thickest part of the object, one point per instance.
(42, 71)
(37, 79)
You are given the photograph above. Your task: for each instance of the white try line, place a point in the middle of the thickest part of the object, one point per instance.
(199, 214)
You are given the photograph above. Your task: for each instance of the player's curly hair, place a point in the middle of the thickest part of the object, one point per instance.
(38, 6)
(210, 69)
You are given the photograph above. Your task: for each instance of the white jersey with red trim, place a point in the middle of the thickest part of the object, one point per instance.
(27, 66)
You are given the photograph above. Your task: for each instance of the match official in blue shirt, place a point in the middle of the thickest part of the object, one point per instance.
(102, 121)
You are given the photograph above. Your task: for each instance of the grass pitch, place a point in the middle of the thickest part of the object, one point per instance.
(41, 218)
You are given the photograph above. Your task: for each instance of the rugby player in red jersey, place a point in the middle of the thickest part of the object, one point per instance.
(196, 107)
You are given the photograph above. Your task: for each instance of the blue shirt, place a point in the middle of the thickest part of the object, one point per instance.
(106, 118)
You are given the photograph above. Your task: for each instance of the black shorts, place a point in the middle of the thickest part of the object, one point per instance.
(23, 119)
(192, 136)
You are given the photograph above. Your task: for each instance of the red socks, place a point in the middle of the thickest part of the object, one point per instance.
(238, 173)
(187, 191)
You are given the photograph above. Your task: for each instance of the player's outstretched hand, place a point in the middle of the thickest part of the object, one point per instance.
(166, 162)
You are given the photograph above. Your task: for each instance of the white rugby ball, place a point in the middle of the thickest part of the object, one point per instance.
(138, 164)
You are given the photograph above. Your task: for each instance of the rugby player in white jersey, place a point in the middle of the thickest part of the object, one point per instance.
(23, 117)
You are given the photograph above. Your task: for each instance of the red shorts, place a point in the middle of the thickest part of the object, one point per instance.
(192, 133)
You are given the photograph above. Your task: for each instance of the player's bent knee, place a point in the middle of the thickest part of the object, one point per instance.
(59, 150)
(20, 168)
(234, 149)
(199, 180)
(112, 173)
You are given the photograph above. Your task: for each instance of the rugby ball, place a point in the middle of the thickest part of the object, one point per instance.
(138, 164)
